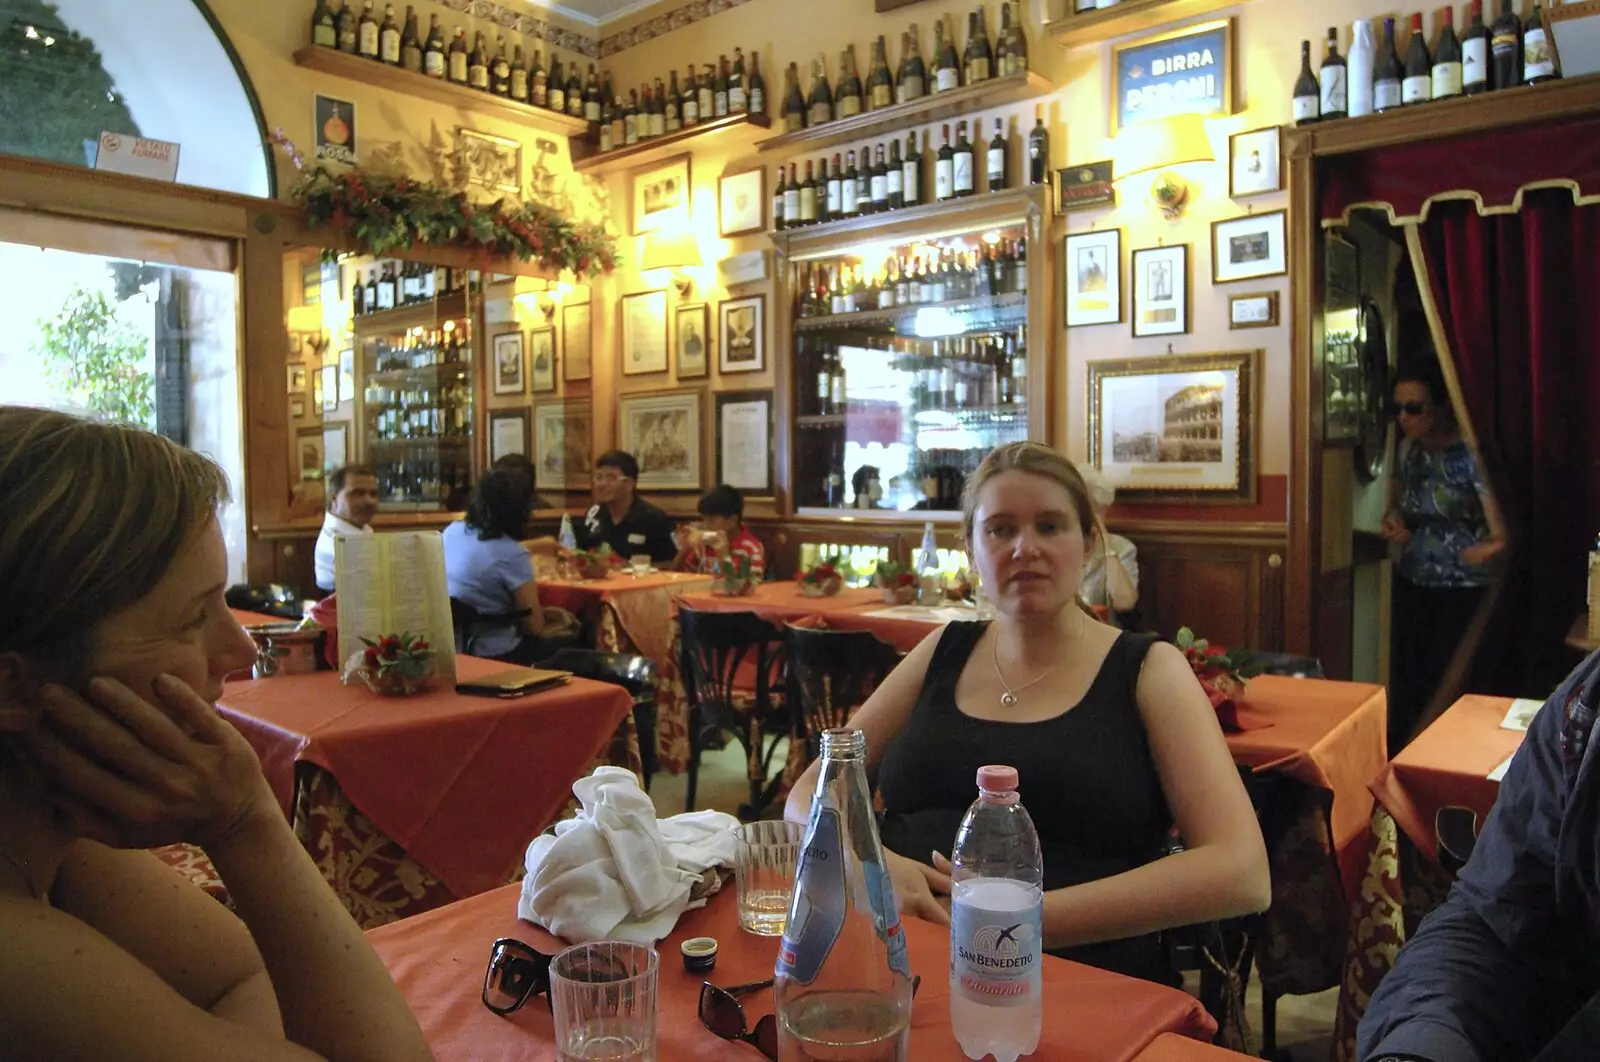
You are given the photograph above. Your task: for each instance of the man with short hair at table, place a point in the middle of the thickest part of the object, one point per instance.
(1513, 956)
(352, 506)
(620, 518)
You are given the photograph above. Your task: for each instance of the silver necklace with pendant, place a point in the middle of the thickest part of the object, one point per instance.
(1009, 698)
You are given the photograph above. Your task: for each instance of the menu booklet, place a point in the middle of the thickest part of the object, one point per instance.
(395, 584)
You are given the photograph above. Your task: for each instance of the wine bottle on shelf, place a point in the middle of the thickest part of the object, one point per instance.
(880, 85)
(980, 57)
(1418, 84)
(911, 82)
(1538, 64)
(500, 70)
(738, 90)
(1019, 42)
(619, 118)
(538, 81)
(594, 95)
(835, 293)
(1307, 96)
(794, 104)
(996, 157)
(1505, 41)
(849, 203)
(962, 171)
(349, 32)
(630, 119)
(478, 64)
(879, 182)
(847, 100)
(371, 300)
(658, 109)
(836, 189)
(895, 178)
(779, 203)
(1362, 57)
(946, 68)
(1019, 267)
(1333, 80)
(808, 196)
(367, 33)
(1386, 73)
(911, 167)
(411, 43)
(864, 181)
(819, 105)
(324, 26)
(389, 37)
(719, 88)
(575, 92)
(708, 93)
(791, 200)
(944, 169)
(1475, 66)
(556, 88)
(1038, 148)
(434, 63)
(691, 98)
(1447, 60)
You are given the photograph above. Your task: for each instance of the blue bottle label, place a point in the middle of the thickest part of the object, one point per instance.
(886, 917)
(994, 955)
(816, 917)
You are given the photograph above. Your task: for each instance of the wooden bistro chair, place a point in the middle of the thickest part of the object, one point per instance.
(716, 651)
(635, 674)
(830, 675)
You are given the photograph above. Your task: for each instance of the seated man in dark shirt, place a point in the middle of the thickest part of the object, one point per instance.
(622, 519)
(1514, 953)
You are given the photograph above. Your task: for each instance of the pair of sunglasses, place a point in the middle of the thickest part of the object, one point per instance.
(516, 973)
(1414, 409)
(723, 1014)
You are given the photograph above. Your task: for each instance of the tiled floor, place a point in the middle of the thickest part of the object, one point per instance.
(1305, 1023)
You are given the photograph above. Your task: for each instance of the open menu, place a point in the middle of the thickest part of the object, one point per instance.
(395, 584)
(1520, 714)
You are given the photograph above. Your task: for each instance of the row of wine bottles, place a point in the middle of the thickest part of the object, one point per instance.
(723, 89)
(879, 183)
(390, 285)
(958, 373)
(1374, 79)
(525, 80)
(415, 477)
(423, 348)
(926, 276)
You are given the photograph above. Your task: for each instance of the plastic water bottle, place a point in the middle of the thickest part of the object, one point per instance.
(566, 539)
(930, 583)
(996, 924)
(843, 975)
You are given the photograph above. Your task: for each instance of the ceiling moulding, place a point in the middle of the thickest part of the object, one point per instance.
(662, 24)
(530, 25)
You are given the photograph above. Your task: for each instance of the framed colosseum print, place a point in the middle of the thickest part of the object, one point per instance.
(1178, 428)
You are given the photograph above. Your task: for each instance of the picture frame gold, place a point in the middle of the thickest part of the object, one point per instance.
(664, 430)
(659, 194)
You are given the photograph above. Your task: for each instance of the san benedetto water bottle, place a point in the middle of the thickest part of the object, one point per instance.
(996, 924)
(843, 976)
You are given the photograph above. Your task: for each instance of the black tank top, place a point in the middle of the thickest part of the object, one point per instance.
(1087, 780)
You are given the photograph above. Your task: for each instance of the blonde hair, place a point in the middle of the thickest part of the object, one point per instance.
(95, 514)
(1036, 459)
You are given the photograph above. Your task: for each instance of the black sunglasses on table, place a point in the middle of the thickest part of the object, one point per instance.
(518, 971)
(723, 1014)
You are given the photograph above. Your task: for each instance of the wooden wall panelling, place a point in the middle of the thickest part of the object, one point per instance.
(1225, 582)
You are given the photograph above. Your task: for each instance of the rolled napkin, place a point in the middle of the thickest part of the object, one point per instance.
(614, 872)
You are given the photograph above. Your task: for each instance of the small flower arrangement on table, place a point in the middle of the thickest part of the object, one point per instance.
(395, 665)
(897, 582)
(591, 563)
(822, 579)
(1221, 680)
(733, 578)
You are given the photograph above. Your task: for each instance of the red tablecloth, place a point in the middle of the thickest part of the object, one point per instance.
(461, 783)
(1169, 1047)
(438, 960)
(850, 609)
(247, 618)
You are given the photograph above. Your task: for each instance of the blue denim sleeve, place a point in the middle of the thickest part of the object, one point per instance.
(1465, 986)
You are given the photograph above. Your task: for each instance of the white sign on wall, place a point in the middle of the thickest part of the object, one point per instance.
(137, 156)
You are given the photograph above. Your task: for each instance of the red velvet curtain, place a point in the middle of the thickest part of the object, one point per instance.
(1519, 295)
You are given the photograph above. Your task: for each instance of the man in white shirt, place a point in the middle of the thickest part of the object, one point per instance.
(352, 505)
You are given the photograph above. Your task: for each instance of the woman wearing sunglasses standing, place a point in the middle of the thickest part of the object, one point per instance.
(1445, 519)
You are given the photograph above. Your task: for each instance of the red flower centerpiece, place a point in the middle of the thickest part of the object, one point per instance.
(591, 563)
(896, 582)
(822, 579)
(395, 665)
(1223, 683)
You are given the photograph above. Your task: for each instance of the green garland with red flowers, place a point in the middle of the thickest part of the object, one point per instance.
(383, 214)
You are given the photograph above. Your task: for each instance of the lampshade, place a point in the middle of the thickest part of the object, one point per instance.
(1157, 145)
(305, 319)
(670, 252)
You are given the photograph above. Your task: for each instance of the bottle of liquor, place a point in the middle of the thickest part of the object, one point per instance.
(837, 387)
(847, 100)
(880, 85)
(630, 127)
(706, 93)
(962, 170)
(608, 118)
(791, 200)
(912, 80)
(1333, 80)
(997, 157)
(1418, 84)
(1019, 268)
(387, 288)
(738, 95)
(1537, 63)
(835, 307)
(820, 103)
(864, 181)
(575, 91)
(946, 67)
(757, 87)
(519, 74)
(719, 88)
(808, 196)
(1386, 72)
(645, 118)
(849, 190)
(824, 214)
(367, 45)
(555, 95)
(1475, 52)
(457, 66)
(324, 27)
(1447, 60)
(878, 185)
(835, 189)
(349, 31)
(619, 129)
(593, 94)
(780, 202)
(1019, 42)
(389, 37)
(691, 99)
(500, 70)
(1307, 95)
(1505, 41)
(979, 57)
(371, 299)
(539, 81)
(672, 105)
(434, 63)
(911, 168)
(794, 104)
(1002, 42)
(478, 64)
(895, 178)
(944, 169)
(1038, 149)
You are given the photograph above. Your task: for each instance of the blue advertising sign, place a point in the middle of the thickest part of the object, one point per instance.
(1189, 71)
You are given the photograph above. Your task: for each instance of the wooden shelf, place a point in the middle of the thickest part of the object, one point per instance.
(924, 221)
(448, 93)
(446, 307)
(1129, 16)
(956, 103)
(717, 131)
(877, 318)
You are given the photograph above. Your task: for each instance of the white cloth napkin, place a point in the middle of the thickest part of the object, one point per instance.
(614, 872)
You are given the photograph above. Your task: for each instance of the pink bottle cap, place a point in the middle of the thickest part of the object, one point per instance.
(997, 778)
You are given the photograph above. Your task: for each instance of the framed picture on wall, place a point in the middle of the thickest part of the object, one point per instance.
(508, 433)
(690, 339)
(1250, 247)
(1182, 71)
(561, 435)
(1255, 163)
(330, 388)
(335, 445)
(1092, 274)
(575, 341)
(741, 334)
(297, 377)
(510, 364)
(1161, 291)
(663, 432)
(297, 408)
(745, 454)
(308, 445)
(661, 195)
(1176, 428)
(347, 374)
(1258, 309)
(542, 360)
(644, 332)
(742, 202)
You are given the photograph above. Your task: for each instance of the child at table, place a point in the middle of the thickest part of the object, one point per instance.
(721, 535)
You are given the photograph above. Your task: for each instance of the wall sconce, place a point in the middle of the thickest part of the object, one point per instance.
(307, 320)
(674, 253)
(1157, 147)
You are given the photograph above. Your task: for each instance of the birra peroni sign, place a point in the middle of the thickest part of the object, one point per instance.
(1187, 72)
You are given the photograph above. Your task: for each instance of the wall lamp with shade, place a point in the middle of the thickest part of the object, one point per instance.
(674, 252)
(1157, 147)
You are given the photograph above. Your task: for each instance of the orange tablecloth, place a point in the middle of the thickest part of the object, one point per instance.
(782, 602)
(438, 960)
(1169, 1047)
(461, 783)
(247, 618)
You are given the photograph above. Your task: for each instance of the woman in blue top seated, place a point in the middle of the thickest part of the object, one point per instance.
(487, 567)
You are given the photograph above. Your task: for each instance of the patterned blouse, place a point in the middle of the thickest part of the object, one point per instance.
(1441, 500)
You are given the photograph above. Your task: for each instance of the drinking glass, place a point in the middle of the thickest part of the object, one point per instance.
(603, 995)
(765, 856)
(640, 563)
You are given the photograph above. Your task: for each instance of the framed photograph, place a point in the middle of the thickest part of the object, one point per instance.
(311, 284)
(297, 377)
(644, 332)
(741, 334)
(663, 432)
(1259, 309)
(745, 430)
(335, 445)
(1255, 245)
(1176, 428)
(691, 338)
(742, 202)
(1092, 274)
(542, 360)
(1182, 71)
(510, 364)
(490, 162)
(297, 408)
(1255, 163)
(308, 445)
(330, 388)
(661, 195)
(576, 342)
(561, 451)
(1161, 291)
(508, 433)
(316, 390)
(347, 374)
